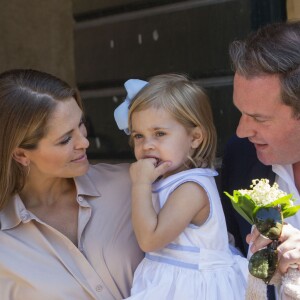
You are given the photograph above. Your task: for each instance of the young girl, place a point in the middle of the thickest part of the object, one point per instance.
(176, 210)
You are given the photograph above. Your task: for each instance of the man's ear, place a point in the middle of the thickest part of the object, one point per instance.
(197, 137)
(20, 155)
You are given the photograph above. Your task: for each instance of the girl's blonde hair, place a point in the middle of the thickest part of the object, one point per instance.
(188, 104)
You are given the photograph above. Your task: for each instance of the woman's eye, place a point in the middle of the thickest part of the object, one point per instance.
(82, 122)
(65, 141)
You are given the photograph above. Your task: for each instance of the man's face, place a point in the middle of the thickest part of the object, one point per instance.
(266, 121)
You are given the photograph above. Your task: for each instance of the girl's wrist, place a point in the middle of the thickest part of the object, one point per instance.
(141, 183)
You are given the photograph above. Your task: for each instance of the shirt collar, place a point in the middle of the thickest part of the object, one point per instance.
(284, 171)
(285, 180)
(85, 186)
(11, 215)
(15, 212)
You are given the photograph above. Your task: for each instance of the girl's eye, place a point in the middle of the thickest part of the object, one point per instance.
(65, 141)
(137, 136)
(160, 133)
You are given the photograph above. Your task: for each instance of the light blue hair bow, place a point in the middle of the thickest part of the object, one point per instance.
(132, 86)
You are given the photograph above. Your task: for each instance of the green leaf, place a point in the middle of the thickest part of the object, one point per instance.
(243, 204)
(288, 212)
(230, 196)
(287, 207)
(284, 201)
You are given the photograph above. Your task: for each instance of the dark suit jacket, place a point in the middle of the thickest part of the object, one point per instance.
(239, 167)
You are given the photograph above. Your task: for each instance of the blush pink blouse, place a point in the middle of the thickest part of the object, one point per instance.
(38, 262)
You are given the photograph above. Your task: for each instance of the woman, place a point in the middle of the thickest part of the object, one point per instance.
(65, 225)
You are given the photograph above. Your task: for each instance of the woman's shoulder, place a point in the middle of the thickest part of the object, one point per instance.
(118, 173)
(101, 176)
(105, 168)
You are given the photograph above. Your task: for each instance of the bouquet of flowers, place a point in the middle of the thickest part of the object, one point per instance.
(266, 206)
(262, 195)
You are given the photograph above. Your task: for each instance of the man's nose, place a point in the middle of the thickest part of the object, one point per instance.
(245, 127)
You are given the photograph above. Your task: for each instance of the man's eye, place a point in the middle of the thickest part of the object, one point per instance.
(259, 120)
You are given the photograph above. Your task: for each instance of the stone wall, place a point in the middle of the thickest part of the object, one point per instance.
(38, 34)
(293, 9)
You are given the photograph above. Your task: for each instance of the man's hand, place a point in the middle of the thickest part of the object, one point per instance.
(288, 250)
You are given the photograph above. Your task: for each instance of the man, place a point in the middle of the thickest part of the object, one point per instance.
(267, 93)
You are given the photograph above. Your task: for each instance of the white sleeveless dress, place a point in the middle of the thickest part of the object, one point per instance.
(198, 264)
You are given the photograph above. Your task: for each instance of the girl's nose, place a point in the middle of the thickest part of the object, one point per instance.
(148, 144)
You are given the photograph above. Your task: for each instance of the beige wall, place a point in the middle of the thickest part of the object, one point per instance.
(293, 9)
(38, 34)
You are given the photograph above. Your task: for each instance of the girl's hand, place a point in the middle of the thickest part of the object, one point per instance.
(146, 171)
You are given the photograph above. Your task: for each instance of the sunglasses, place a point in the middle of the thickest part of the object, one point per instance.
(263, 263)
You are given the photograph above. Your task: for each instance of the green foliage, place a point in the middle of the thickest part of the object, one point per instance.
(247, 207)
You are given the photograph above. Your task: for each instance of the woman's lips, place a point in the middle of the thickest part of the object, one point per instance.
(80, 158)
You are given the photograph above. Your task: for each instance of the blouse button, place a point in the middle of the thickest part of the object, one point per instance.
(24, 216)
(99, 288)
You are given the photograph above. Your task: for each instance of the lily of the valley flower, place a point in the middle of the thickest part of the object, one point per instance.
(262, 194)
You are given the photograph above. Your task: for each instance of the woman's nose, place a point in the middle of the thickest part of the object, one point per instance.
(82, 142)
(85, 142)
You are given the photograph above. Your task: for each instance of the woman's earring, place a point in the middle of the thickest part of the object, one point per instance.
(28, 169)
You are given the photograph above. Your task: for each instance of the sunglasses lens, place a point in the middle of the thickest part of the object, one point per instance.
(268, 222)
(263, 264)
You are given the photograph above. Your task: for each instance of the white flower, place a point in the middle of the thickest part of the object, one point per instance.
(262, 193)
